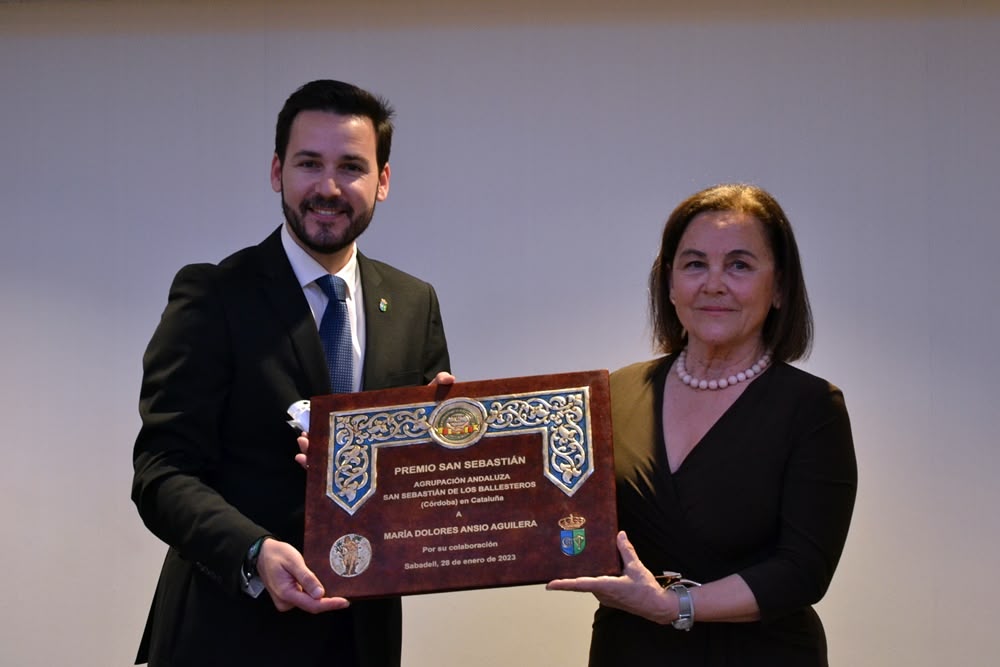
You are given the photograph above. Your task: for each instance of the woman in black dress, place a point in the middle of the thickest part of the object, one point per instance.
(734, 469)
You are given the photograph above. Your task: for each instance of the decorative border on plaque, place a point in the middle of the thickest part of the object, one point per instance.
(562, 417)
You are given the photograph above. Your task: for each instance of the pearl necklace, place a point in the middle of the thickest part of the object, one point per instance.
(696, 383)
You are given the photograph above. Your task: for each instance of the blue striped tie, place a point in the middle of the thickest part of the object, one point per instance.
(335, 334)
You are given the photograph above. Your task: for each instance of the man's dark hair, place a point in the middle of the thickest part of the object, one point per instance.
(341, 98)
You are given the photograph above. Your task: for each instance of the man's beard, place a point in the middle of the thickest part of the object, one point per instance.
(326, 241)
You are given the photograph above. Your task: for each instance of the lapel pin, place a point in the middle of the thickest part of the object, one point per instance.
(383, 305)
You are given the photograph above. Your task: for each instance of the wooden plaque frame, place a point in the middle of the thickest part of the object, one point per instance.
(471, 485)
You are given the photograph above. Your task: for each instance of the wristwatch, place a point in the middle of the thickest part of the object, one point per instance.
(685, 605)
(251, 583)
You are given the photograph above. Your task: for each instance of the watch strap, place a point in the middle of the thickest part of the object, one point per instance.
(250, 582)
(685, 606)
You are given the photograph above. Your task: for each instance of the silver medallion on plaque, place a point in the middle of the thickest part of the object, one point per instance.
(350, 555)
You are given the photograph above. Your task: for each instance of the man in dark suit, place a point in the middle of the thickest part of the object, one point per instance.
(215, 475)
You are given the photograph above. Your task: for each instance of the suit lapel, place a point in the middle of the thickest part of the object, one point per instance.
(377, 299)
(284, 296)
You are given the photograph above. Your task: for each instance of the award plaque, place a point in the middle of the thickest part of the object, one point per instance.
(471, 485)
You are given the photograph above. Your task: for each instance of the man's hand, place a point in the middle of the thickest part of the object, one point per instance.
(441, 378)
(289, 582)
(303, 441)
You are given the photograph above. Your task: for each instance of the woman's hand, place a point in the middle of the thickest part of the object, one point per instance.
(636, 591)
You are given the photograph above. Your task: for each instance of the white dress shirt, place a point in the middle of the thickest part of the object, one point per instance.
(307, 270)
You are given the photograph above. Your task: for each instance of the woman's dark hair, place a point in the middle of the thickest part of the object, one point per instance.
(342, 98)
(788, 329)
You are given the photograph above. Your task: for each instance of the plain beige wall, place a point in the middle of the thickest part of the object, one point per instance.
(538, 152)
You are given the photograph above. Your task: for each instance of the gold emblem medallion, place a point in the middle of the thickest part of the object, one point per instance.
(458, 423)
